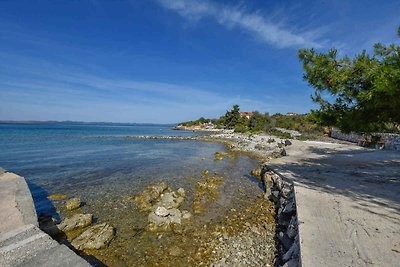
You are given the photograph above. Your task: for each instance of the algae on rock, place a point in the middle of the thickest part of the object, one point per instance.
(205, 192)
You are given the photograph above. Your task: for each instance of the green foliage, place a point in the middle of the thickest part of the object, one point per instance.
(360, 94)
(196, 122)
(259, 122)
(303, 123)
(240, 128)
(232, 118)
(279, 134)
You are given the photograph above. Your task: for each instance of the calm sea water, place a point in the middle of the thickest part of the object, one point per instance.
(73, 160)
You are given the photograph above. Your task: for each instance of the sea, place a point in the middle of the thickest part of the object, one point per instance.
(96, 162)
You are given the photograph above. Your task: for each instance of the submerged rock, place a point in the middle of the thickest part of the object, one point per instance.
(162, 219)
(73, 203)
(57, 196)
(205, 192)
(220, 155)
(161, 211)
(96, 237)
(75, 222)
(171, 200)
(186, 215)
(150, 196)
(256, 172)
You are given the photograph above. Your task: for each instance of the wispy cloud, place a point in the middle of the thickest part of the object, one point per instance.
(252, 22)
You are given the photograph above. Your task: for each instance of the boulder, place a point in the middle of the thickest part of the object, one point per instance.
(171, 200)
(293, 252)
(73, 203)
(161, 211)
(285, 240)
(96, 237)
(292, 228)
(290, 207)
(75, 222)
(162, 219)
(288, 142)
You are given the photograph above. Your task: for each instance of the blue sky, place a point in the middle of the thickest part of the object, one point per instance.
(167, 61)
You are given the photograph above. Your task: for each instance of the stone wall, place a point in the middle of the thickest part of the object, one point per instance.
(281, 192)
(351, 137)
(388, 141)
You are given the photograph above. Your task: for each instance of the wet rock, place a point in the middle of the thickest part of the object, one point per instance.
(161, 211)
(171, 200)
(164, 221)
(73, 203)
(150, 196)
(96, 237)
(205, 192)
(181, 192)
(256, 172)
(220, 155)
(186, 215)
(175, 251)
(57, 196)
(75, 222)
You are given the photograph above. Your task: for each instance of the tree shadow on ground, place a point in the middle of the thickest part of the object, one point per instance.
(369, 177)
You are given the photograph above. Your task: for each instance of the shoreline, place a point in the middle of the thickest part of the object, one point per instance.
(329, 200)
(276, 188)
(309, 176)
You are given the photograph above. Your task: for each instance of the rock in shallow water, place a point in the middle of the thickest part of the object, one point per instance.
(161, 211)
(57, 196)
(147, 199)
(75, 222)
(171, 200)
(159, 222)
(73, 203)
(96, 237)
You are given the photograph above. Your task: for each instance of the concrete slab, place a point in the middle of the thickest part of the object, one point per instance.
(348, 203)
(22, 243)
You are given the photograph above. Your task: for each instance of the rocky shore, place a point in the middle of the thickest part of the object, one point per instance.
(235, 251)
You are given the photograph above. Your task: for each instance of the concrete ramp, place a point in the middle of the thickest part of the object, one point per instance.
(22, 243)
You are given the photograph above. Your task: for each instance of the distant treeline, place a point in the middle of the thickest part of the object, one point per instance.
(259, 122)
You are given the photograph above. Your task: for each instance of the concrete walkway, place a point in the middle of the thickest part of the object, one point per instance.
(348, 203)
(22, 243)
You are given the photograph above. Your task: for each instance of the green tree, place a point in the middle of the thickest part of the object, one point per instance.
(259, 122)
(232, 118)
(360, 94)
